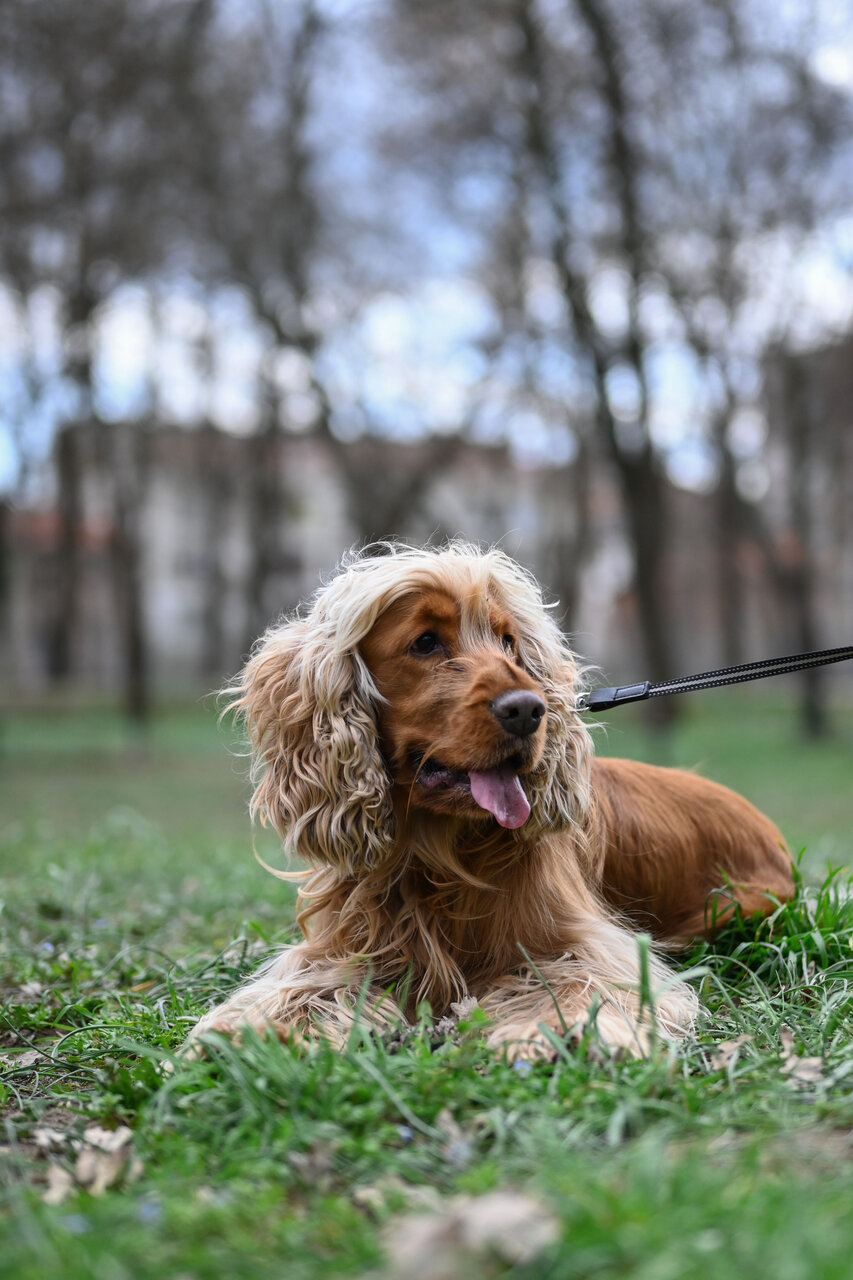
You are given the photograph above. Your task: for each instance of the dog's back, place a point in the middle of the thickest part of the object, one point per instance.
(668, 839)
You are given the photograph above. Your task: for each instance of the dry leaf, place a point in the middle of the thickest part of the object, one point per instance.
(459, 1009)
(314, 1164)
(786, 1038)
(517, 1226)
(105, 1157)
(60, 1184)
(803, 1070)
(374, 1197)
(799, 1070)
(463, 1008)
(457, 1148)
(96, 1170)
(439, 1246)
(17, 1060)
(727, 1050)
(109, 1140)
(47, 1139)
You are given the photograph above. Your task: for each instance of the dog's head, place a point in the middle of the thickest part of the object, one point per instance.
(418, 680)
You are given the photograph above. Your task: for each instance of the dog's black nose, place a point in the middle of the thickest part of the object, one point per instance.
(518, 711)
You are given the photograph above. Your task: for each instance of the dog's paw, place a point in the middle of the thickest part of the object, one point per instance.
(603, 1032)
(234, 1024)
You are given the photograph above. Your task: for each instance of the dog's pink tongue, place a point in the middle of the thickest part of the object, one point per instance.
(500, 791)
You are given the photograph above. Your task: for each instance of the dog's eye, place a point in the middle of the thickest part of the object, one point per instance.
(427, 643)
(508, 643)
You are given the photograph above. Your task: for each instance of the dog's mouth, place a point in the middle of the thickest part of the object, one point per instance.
(499, 791)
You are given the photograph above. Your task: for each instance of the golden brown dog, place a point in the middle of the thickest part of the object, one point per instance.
(415, 742)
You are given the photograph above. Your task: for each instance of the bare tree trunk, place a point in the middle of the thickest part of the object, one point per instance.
(129, 468)
(728, 534)
(798, 571)
(78, 367)
(216, 491)
(642, 482)
(266, 510)
(64, 629)
(645, 500)
(566, 552)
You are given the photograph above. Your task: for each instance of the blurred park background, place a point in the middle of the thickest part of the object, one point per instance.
(281, 276)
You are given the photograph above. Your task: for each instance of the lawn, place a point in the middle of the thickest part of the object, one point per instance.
(131, 899)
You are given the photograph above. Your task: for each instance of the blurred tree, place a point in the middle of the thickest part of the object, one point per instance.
(628, 445)
(253, 220)
(627, 186)
(813, 467)
(91, 145)
(766, 141)
(646, 157)
(289, 244)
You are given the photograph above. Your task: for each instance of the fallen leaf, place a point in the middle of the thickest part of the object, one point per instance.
(803, 1070)
(468, 1230)
(18, 1060)
(517, 1226)
(96, 1170)
(60, 1184)
(109, 1140)
(47, 1139)
(314, 1164)
(448, 1026)
(463, 1008)
(727, 1050)
(375, 1196)
(458, 1147)
(797, 1069)
(105, 1157)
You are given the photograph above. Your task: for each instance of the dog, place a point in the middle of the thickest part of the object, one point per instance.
(415, 742)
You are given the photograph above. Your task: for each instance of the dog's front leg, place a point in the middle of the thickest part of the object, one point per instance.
(300, 996)
(598, 988)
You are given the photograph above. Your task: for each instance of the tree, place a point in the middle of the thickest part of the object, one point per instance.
(646, 155)
(90, 149)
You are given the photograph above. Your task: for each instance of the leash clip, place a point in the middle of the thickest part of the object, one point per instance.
(603, 699)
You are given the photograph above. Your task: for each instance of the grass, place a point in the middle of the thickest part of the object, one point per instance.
(131, 901)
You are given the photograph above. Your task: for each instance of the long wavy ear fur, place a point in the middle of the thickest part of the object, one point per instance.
(559, 790)
(319, 777)
(560, 787)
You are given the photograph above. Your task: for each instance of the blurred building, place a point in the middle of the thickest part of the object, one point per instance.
(199, 538)
(196, 527)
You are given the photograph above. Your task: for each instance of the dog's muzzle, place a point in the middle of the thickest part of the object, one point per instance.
(518, 711)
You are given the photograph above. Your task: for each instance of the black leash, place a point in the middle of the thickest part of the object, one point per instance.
(603, 699)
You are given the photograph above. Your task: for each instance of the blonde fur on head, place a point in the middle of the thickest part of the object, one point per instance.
(415, 742)
(309, 702)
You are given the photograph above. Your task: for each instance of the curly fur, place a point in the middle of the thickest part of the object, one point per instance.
(416, 894)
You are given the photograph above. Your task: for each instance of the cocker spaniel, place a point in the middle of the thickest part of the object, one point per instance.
(415, 741)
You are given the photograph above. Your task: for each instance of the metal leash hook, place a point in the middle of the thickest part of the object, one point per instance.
(603, 699)
(595, 700)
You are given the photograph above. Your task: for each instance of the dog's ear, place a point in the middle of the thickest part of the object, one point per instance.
(320, 780)
(560, 786)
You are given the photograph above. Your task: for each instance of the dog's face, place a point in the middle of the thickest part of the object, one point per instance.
(420, 683)
(461, 722)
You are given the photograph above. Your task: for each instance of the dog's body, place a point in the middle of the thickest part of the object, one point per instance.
(415, 739)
